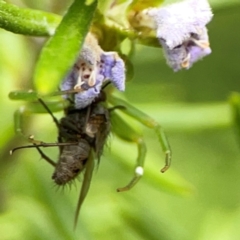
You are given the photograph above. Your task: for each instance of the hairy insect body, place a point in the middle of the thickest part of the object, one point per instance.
(71, 162)
(87, 129)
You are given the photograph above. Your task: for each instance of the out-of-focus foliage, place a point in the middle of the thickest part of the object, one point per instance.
(198, 198)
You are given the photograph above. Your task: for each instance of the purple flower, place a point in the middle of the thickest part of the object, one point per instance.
(181, 30)
(190, 51)
(113, 68)
(85, 98)
(92, 68)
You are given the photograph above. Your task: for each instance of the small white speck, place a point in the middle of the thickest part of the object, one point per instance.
(139, 171)
(51, 31)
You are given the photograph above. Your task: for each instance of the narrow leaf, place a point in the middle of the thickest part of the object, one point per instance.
(27, 21)
(61, 50)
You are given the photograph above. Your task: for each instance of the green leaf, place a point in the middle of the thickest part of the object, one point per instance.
(61, 50)
(27, 21)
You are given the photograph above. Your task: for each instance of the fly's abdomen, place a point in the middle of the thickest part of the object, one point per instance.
(71, 162)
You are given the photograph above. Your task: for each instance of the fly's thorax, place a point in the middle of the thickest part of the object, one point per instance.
(72, 126)
(71, 162)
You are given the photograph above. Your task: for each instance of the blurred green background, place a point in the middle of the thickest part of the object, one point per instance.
(197, 198)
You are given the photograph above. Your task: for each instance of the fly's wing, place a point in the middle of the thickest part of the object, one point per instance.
(98, 127)
(102, 133)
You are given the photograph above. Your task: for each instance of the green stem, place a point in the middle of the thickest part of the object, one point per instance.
(27, 21)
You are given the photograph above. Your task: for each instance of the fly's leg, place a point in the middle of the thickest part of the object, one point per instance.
(55, 120)
(34, 108)
(127, 133)
(37, 144)
(45, 157)
(34, 105)
(148, 122)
